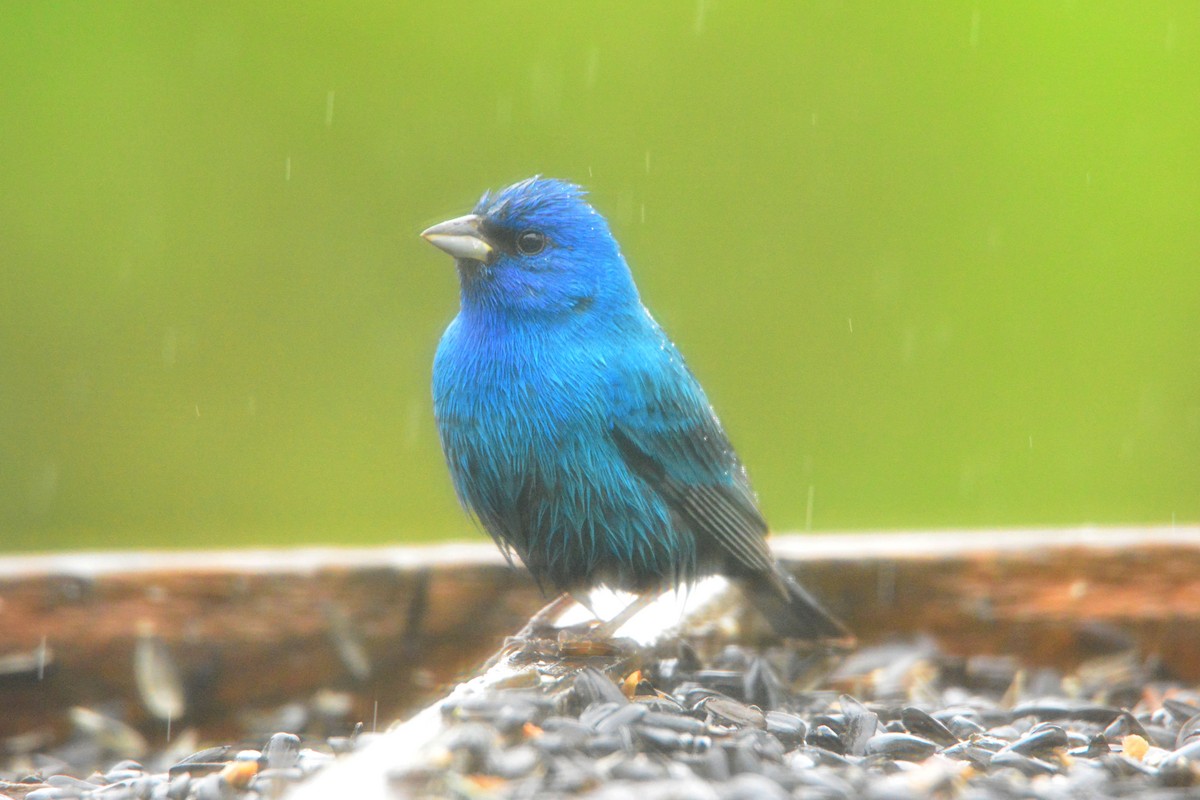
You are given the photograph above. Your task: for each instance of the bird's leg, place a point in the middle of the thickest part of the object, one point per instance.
(541, 625)
(609, 628)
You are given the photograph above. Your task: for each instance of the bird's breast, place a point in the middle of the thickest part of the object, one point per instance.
(512, 392)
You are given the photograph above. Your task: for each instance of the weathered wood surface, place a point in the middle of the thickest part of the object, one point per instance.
(255, 629)
(251, 630)
(1050, 597)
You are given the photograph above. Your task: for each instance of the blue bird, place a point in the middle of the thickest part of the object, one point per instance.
(572, 427)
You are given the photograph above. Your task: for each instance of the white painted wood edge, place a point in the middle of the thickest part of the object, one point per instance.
(802, 547)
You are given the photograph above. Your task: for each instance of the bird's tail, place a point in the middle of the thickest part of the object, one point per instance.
(792, 612)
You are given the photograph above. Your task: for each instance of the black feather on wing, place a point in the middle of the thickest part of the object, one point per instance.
(693, 467)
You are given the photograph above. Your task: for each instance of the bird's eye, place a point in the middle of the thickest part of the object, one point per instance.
(530, 242)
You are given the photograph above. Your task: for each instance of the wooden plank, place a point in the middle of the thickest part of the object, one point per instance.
(249, 629)
(254, 629)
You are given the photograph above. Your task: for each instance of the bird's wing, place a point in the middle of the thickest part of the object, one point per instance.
(669, 436)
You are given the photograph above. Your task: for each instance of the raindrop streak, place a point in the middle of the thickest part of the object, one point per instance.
(848, 319)
(808, 512)
(329, 109)
(593, 66)
(412, 425)
(885, 586)
(348, 644)
(975, 28)
(1030, 442)
(159, 684)
(700, 9)
(41, 657)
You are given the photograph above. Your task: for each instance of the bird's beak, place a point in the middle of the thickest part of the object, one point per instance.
(461, 237)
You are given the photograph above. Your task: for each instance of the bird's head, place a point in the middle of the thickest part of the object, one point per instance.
(535, 248)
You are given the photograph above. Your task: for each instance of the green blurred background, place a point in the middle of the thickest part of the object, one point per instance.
(936, 263)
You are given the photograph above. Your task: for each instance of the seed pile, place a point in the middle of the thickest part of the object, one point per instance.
(892, 722)
(905, 722)
(227, 772)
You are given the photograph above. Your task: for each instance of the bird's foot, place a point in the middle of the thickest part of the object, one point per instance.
(542, 636)
(541, 626)
(591, 639)
(586, 640)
